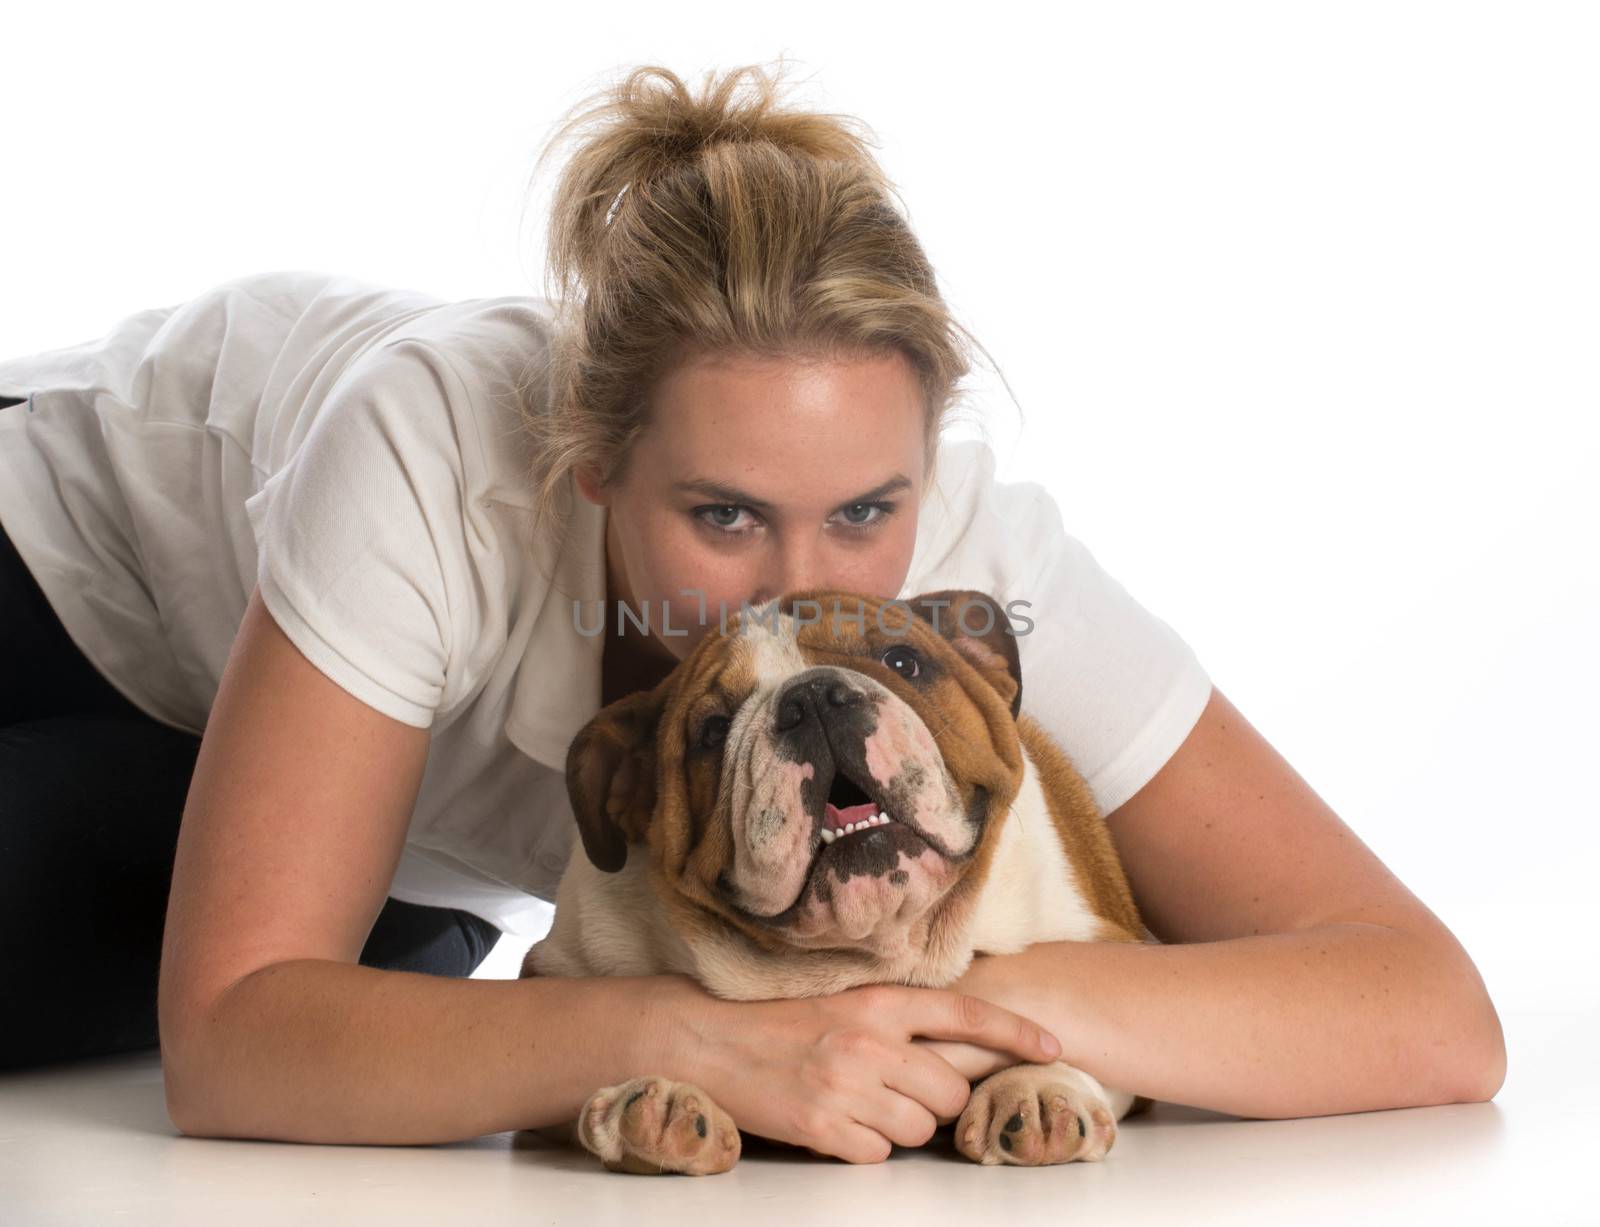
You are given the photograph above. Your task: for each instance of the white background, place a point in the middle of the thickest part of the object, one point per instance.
(1299, 304)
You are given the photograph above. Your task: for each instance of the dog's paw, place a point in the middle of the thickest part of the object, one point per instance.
(652, 1126)
(1032, 1115)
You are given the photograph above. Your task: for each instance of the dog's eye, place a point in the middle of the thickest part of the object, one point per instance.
(902, 660)
(713, 731)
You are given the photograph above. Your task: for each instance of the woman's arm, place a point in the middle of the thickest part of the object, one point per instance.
(316, 1050)
(1305, 979)
(296, 816)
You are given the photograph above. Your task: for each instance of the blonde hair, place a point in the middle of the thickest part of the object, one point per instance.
(717, 222)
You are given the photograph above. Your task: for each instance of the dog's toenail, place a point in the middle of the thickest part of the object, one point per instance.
(700, 1125)
(1081, 1130)
(631, 1098)
(1005, 1141)
(1014, 1123)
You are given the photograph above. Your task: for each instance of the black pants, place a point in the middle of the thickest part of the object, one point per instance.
(91, 794)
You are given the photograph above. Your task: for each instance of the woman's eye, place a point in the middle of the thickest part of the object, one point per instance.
(724, 517)
(902, 660)
(866, 521)
(714, 731)
(713, 515)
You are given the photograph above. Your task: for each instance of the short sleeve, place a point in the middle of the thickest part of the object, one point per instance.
(354, 540)
(1114, 684)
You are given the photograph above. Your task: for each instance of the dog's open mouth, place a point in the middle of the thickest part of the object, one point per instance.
(858, 831)
(849, 809)
(858, 835)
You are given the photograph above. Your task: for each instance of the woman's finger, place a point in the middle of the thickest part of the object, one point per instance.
(950, 1015)
(932, 1084)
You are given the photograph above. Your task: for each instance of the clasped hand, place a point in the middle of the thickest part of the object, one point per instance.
(854, 1073)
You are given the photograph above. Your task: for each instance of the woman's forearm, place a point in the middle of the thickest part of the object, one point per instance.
(312, 1050)
(1340, 1018)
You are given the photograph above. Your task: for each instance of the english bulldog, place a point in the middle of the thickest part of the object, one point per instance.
(835, 790)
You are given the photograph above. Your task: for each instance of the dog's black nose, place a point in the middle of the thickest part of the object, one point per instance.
(819, 694)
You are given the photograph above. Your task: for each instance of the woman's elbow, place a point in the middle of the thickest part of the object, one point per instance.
(1488, 1072)
(1478, 1069)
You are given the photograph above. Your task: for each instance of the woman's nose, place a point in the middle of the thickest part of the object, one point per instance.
(790, 570)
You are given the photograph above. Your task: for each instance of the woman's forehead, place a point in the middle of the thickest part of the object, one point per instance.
(762, 426)
(777, 470)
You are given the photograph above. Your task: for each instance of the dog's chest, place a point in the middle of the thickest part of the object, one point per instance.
(1032, 893)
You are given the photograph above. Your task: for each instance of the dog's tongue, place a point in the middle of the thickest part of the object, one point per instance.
(841, 818)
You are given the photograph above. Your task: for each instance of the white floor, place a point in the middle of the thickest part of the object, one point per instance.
(91, 1143)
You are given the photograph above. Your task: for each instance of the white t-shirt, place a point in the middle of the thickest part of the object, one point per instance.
(354, 451)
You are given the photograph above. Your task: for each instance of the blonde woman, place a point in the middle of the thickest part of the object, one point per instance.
(296, 562)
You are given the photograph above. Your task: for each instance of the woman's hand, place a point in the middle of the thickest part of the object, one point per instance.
(839, 1074)
(993, 978)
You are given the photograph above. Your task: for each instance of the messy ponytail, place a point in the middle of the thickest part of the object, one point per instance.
(717, 222)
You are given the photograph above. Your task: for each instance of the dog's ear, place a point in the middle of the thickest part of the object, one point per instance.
(978, 628)
(611, 777)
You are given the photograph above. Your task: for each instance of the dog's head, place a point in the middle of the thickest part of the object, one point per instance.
(815, 778)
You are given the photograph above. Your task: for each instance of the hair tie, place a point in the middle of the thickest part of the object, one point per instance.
(616, 200)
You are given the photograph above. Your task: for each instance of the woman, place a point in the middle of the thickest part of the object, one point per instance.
(345, 534)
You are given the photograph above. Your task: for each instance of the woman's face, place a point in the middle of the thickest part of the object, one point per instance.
(756, 477)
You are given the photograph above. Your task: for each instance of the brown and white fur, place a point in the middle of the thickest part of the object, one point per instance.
(709, 848)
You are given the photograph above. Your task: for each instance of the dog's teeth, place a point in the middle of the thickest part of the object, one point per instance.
(876, 819)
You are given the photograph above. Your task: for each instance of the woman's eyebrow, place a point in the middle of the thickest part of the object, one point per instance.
(732, 494)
